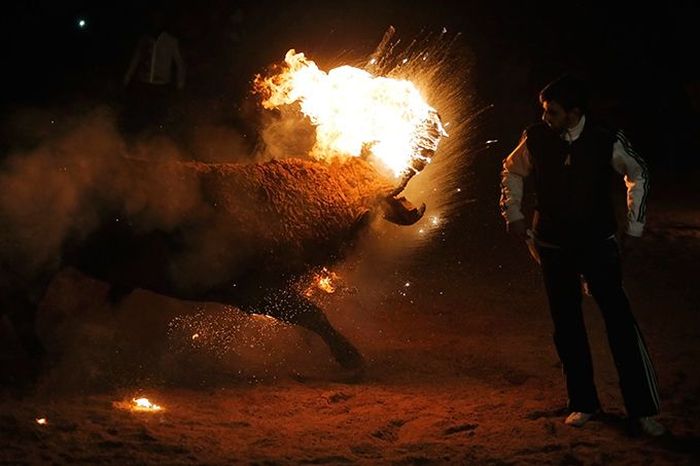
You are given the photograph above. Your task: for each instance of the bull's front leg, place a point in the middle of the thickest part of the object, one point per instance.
(290, 307)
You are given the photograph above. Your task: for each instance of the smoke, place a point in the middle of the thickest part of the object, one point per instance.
(285, 133)
(43, 191)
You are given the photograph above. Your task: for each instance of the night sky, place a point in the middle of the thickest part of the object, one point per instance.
(638, 59)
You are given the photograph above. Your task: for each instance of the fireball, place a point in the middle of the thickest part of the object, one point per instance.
(356, 113)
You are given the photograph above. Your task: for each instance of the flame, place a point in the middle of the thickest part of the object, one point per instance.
(326, 284)
(144, 404)
(41, 421)
(324, 281)
(354, 111)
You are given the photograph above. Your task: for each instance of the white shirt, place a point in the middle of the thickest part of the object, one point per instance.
(153, 59)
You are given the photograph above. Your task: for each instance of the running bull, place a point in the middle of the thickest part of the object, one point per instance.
(237, 234)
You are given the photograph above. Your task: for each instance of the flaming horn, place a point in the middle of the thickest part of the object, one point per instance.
(427, 136)
(400, 210)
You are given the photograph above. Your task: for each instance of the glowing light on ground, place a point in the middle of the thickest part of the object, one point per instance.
(144, 405)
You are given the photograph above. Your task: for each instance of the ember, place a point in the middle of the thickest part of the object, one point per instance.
(144, 405)
(325, 281)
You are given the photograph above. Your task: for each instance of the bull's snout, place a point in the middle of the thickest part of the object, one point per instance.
(401, 211)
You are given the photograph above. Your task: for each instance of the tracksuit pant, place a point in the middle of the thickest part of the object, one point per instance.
(599, 264)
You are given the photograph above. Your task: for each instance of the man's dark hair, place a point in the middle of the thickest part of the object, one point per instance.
(568, 91)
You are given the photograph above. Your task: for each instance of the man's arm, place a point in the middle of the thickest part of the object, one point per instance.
(629, 164)
(133, 63)
(515, 167)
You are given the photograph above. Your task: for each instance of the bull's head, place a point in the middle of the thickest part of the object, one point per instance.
(356, 112)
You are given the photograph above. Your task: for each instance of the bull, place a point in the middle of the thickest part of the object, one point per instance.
(232, 233)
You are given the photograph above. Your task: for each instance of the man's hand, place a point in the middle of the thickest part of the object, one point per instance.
(517, 229)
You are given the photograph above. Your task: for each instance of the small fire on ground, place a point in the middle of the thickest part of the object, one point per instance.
(144, 404)
(140, 405)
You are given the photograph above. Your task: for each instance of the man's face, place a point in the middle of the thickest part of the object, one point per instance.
(555, 116)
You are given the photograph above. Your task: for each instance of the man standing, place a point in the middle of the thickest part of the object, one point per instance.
(573, 160)
(149, 78)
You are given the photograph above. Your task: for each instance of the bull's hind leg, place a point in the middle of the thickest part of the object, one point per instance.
(292, 308)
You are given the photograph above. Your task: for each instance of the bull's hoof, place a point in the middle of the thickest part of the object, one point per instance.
(352, 366)
(349, 358)
(350, 376)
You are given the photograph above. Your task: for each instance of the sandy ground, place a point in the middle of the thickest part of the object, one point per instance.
(461, 369)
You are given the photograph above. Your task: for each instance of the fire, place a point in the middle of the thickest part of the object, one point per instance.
(324, 281)
(326, 285)
(41, 421)
(357, 113)
(144, 404)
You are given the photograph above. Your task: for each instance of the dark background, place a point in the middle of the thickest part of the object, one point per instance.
(639, 60)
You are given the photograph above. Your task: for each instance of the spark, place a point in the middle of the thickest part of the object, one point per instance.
(82, 23)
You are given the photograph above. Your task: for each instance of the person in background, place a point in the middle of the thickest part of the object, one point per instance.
(155, 72)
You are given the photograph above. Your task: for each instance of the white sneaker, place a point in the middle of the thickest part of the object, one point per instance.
(577, 419)
(650, 426)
